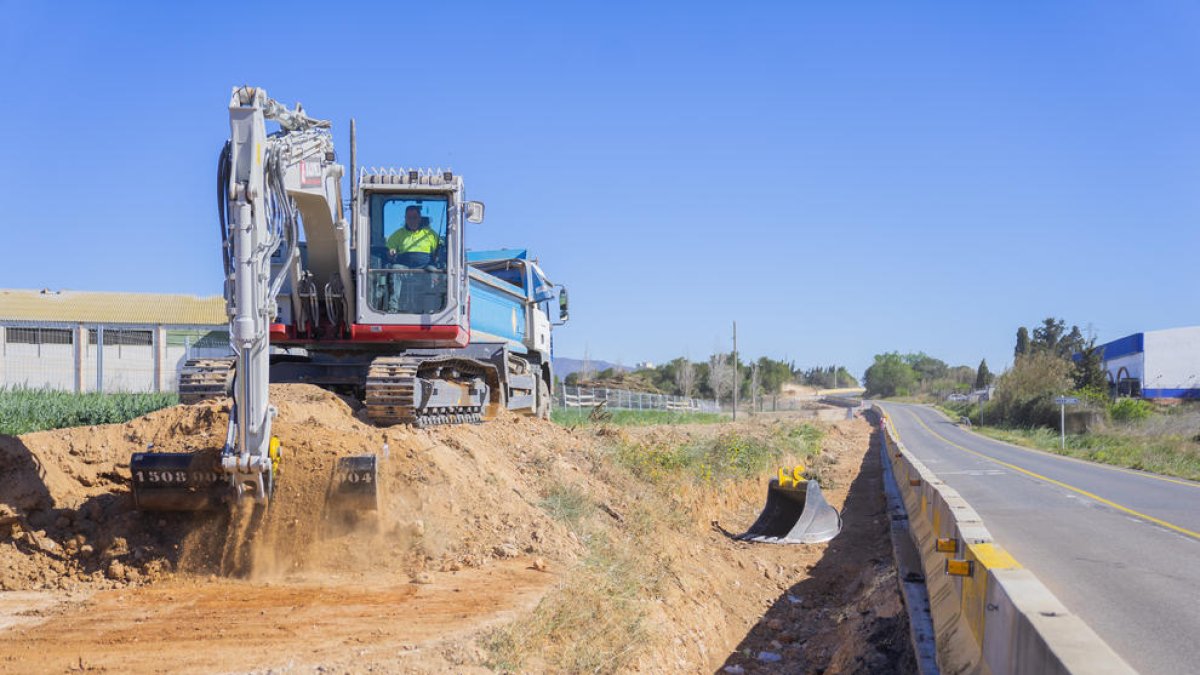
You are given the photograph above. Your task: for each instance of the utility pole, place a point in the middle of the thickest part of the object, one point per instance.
(735, 372)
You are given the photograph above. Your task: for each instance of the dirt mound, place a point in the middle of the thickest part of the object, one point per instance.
(450, 498)
(516, 546)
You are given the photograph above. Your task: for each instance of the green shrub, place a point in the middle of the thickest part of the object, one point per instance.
(728, 455)
(1025, 393)
(1130, 410)
(566, 503)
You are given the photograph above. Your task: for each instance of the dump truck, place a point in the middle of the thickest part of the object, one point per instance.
(387, 305)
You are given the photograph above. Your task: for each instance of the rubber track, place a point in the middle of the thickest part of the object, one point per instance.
(390, 398)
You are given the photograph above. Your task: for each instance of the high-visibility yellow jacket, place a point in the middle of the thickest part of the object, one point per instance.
(404, 240)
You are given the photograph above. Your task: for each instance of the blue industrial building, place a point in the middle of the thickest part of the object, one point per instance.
(1160, 364)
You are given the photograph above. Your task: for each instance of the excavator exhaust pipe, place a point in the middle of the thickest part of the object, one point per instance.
(796, 513)
(164, 481)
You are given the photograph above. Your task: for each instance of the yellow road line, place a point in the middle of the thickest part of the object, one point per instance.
(1072, 488)
(1108, 467)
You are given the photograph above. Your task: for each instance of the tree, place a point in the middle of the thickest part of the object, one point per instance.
(773, 374)
(1051, 336)
(685, 376)
(889, 375)
(926, 367)
(1047, 335)
(983, 376)
(844, 377)
(1088, 372)
(720, 375)
(963, 376)
(1025, 393)
(1022, 342)
(1072, 344)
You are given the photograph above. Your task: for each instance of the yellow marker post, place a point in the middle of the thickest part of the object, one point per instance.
(960, 568)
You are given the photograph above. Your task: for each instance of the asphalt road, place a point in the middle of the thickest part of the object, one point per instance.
(1119, 548)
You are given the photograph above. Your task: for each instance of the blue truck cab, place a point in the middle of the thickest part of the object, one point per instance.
(513, 303)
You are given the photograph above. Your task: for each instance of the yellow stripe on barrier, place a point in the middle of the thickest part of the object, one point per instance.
(992, 557)
(1090, 495)
(974, 588)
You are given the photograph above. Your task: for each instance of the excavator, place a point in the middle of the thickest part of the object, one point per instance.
(432, 336)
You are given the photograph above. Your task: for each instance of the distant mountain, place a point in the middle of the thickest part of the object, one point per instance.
(564, 366)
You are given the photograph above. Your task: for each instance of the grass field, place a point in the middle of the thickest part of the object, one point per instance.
(1164, 443)
(582, 416)
(26, 410)
(1167, 455)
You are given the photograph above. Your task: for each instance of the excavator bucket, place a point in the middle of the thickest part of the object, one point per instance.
(164, 481)
(794, 514)
(355, 484)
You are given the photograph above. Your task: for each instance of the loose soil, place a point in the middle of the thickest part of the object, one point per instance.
(465, 546)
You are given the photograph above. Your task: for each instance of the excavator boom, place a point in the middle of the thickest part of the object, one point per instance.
(267, 183)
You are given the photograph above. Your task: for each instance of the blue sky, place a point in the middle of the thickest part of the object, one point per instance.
(840, 178)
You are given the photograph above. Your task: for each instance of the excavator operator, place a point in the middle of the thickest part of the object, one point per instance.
(413, 245)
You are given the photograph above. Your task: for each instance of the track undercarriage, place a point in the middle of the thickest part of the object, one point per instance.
(424, 391)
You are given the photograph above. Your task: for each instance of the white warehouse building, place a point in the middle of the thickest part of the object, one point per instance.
(1160, 364)
(92, 341)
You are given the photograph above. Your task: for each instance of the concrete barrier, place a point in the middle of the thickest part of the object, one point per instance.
(990, 615)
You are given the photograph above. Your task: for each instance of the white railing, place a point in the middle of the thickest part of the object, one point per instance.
(588, 397)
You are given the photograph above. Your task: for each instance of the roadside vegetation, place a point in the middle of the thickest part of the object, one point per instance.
(1049, 361)
(600, 618)
(576, 417)
(728, 456)
(713, 379)
(919, 376)
(1170, 454)
(26, 410)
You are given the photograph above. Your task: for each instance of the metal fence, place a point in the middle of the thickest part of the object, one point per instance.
(587, 397)
(102, 358)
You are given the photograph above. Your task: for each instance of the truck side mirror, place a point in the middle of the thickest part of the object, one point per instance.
(474, 212)
(563, 311)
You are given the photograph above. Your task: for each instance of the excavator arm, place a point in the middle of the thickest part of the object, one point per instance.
(260, 217)
(268, 184)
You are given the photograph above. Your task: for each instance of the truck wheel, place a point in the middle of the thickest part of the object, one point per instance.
(543, 400)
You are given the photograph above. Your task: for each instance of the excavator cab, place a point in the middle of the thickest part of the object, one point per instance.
(413, 276)
(408, 272)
